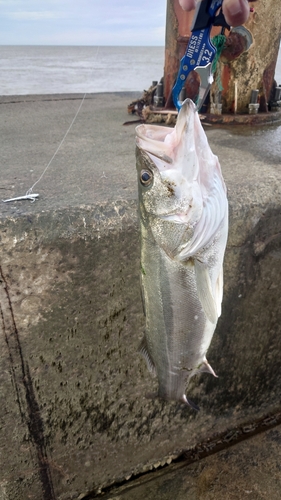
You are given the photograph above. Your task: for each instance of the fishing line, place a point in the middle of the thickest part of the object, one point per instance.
(29, 191)
(29, 195)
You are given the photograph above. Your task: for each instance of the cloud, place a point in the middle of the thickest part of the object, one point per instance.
(83, 22)
(33, 15)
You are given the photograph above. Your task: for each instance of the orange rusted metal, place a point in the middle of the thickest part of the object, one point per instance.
(178, 23)
(178, 32)
(241, 69)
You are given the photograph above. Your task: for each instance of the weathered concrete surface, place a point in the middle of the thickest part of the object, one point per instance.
(249, 470)
(73, 416)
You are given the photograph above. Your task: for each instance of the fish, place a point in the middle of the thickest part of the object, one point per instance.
(183, 214)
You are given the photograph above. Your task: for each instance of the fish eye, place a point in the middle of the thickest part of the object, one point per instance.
(146, 177)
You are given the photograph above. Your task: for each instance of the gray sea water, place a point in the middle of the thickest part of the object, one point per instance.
(51, 70)
(65, 69)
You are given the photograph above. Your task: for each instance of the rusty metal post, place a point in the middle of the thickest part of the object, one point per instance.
(178, 25)
(255, 67)
(241, 68)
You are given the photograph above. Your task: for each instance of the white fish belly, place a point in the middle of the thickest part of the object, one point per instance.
(178, 332)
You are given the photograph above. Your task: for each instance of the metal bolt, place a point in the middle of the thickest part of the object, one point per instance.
(254, 96)
(277, 95)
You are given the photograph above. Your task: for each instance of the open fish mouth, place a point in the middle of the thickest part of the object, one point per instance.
(163, 143)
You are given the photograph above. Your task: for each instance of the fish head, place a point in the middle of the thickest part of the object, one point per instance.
(176, 169)
(168, 168)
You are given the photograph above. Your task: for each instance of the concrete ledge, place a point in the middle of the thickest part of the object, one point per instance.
(248, 470)
(74, 417)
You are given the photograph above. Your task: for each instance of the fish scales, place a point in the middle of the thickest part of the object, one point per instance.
(184, 222)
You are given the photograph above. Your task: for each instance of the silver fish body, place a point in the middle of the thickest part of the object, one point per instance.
(183, 212)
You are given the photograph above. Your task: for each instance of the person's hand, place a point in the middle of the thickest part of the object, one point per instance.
(236, 12)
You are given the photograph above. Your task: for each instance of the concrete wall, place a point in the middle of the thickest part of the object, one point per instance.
(74, 416)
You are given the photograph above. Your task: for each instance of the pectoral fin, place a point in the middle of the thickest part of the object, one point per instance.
(204, 290)
(143, 349)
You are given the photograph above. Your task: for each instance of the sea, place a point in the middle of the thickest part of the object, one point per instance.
(75, 69)
(71, 69)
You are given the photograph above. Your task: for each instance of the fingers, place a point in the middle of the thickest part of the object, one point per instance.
(236, 12)
(187, 4)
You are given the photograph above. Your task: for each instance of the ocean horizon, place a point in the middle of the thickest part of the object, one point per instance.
(50, 69)
(64, 69)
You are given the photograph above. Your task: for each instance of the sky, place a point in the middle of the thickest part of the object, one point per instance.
(82, 22)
